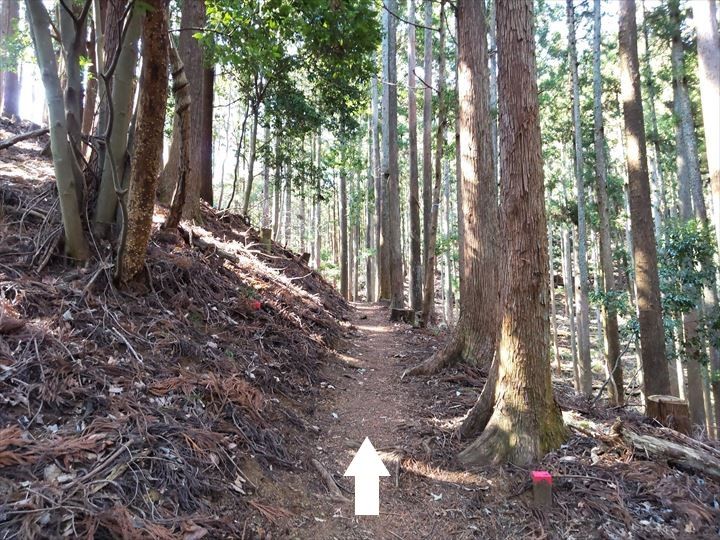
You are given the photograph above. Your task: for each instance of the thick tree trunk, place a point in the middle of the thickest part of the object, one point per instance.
(10, 84)
(526, 422)
(449, 297)
(344, 258)
(427, 125)
(688, 175)
(91, 90)
(652, 336)
(377, 179)
(610, 321)
(67, 172)
(477, 331)
(117, 114)
(73, 47)
(145, 165)
(416, 284)
(206, 133)
(583, 323)
(708, 47)
(428, 305)
(391, 173)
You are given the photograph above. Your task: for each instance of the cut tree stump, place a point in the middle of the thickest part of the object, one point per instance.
(404, 315)
(684, 457)
(670, 411)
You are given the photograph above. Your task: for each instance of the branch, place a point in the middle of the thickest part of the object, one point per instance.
(416, 25)
(7, 143)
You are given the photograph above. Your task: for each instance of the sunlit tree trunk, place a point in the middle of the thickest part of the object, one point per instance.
(688, 175)
(416, 284)
(610, 321)
(370, 265)
(526, 422)
(652, 336)
(277, 189)
(708, 50)
(569, 280)
(145, 165)
(266, 204)
(583, 323)
(251, 160)
(67, 174)
(553, 307)
(9, 17)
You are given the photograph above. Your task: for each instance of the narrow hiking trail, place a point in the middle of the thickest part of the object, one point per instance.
(362, 396)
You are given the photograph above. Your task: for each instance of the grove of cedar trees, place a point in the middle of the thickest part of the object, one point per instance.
(538, 180)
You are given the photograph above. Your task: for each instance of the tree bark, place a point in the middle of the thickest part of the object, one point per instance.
(370, 264)
(428, 306)
(583, 323)
(708, 47)
(251, 160)
(148, 142)
(191, 53)
(652, 336)
(266, 223)
(11, 84)
(67, 172)
(391, 172)
(526, 422)
(318, 207)
(416, 284)
(610, 321)
(688, 175)
(344, 257)
(427, 126)
(287, 237)
(182, 125)
(119, 111)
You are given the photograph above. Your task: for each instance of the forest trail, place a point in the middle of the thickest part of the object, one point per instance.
(362, 397)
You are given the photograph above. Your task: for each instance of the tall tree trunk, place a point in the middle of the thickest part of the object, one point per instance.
(708, 47)
(11, 84)
(370, 266)
(145, 165)
(206, 132)
(344, 258)
(251, 159)
(477, 330)
(191, 53)
(652, 336)
(288, 206)
(391, 171)
(553, 307)
(277, 189)
(583, 325)
(91, 90)
(657, 183)
(318, 207)
(449, 297)
(493, 85)
(570, 302)
(428, 306)
(427, 125)
(416, 284)
(688, 175)
(67, 174)
(380, 264)
(384, 246)
(526, 422)
(610, 321)
(73, 47)
(117, 116)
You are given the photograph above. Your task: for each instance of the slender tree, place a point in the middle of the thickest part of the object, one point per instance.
(145, 164)
(609, 310)
(416, 283)
(428, 306)
(67, 172)
(652, 336)
(9, 15)
(344, 257)
(391, 196)
(427, 125)
(526, 422)
(583, 322)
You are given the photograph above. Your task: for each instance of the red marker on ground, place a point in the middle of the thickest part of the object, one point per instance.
(542, 488)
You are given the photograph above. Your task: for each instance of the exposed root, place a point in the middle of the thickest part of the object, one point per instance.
(440, 360)
(479, 416)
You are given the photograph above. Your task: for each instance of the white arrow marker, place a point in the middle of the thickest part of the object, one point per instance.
(367, 468)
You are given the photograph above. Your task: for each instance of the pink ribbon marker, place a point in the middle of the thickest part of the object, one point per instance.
(542, 488)
(540, 477)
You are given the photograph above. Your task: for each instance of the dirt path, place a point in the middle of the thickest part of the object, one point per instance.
(362, 397)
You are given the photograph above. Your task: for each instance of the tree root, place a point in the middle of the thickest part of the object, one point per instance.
(479, 416)
(332, 487)
(450, 354)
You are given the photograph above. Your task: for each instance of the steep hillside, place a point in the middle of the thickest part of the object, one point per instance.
(133, 413)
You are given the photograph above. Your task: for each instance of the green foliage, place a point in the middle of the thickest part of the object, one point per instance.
(13, 46)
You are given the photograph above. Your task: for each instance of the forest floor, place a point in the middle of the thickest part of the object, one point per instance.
(193, 405)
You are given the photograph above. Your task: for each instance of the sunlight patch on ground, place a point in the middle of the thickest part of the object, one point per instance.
(463, 478)
(349, 360)
(374, 329)
(448, 423)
